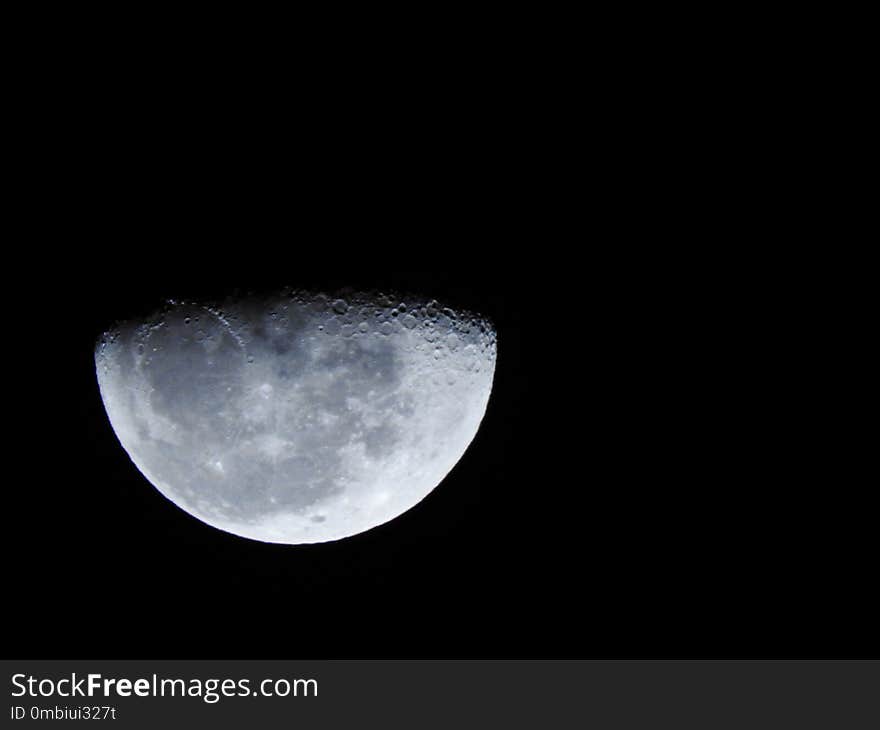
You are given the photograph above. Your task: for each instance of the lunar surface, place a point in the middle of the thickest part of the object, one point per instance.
(300, 418)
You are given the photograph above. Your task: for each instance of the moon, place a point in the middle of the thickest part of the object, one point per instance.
(301, 417)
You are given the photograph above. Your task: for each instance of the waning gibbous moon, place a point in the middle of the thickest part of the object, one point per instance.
(298, 418)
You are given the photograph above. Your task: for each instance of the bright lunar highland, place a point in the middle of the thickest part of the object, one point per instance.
(298, 418)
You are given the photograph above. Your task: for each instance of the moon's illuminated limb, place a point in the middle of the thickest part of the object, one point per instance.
(301, 418)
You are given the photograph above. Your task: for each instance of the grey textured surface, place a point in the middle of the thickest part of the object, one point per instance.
(298, 418)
